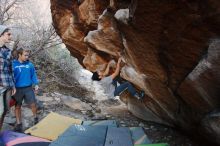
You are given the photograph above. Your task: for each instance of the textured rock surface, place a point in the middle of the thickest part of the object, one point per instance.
(170, 48)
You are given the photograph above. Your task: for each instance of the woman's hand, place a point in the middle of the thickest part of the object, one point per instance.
(119, 60)
(13, 91)
(36, 88)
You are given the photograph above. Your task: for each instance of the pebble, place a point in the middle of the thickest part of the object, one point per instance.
(108, 116)
(141, 125)
(146, 128)
(98, 110)
(122, 122)
(83, 112)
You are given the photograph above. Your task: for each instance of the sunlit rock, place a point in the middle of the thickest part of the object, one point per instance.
(93, 61)
(122, 15)
(107, 37)
(90, 10)
(75, 103)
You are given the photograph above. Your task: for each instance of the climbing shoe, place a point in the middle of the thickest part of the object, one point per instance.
(140, 95)
(18, 128)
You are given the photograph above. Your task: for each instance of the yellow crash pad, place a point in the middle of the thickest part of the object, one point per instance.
(52, 126)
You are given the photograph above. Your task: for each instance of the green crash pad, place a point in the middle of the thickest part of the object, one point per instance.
(109, 123)
(154, 144)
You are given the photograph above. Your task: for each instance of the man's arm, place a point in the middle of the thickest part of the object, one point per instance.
(13, 78)
(117, 70)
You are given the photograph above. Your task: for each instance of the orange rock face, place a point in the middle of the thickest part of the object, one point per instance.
(171, 51)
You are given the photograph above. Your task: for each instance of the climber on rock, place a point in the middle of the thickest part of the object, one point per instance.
(111, 89)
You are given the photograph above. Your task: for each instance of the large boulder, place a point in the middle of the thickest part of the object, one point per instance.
(170, 49)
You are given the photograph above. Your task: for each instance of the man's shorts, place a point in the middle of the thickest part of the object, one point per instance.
(26, 94)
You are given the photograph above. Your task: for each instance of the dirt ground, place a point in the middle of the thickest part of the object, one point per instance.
(104, 109)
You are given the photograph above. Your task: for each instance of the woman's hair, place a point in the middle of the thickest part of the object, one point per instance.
(20, 51)
(6, 30)
(95, 76)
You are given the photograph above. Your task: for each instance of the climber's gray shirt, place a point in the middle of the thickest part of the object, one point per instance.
(109, 88)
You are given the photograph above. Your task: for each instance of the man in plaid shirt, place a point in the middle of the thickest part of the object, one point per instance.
(7, 87)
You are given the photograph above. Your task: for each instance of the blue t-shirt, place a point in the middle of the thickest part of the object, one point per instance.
(24, 74)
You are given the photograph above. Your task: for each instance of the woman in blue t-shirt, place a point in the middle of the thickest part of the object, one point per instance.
(25, 76)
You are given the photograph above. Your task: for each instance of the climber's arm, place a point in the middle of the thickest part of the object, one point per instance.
(107, 69)
(117, 70)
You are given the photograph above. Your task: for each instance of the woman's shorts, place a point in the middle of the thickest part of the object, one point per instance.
(26, 94)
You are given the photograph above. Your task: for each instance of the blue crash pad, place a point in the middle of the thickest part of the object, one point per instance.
(154, 144)
(82, 135)
(139, 136)
(118, 137)
(111, 123)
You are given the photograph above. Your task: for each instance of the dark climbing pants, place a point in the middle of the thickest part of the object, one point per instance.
(124, 86)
